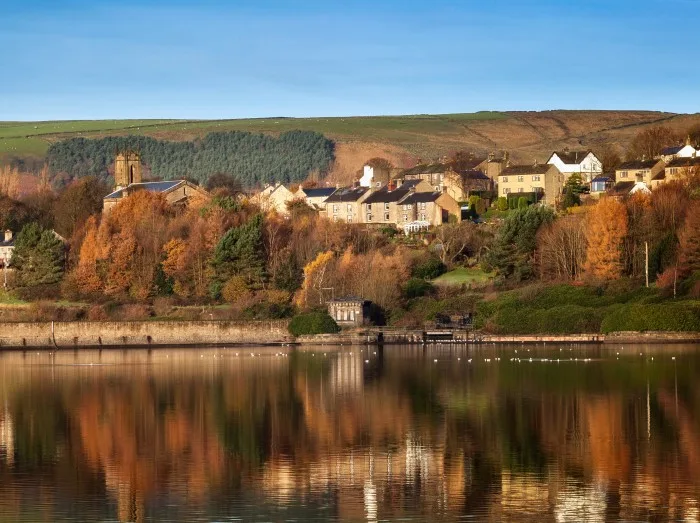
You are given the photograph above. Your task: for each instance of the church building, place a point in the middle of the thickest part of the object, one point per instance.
(128, 179)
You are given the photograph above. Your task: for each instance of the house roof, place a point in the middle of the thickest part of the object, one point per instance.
(421, 197)
(512, 170)
(683, 162)
(8, 243)
(473, 174)
(601, 179)
(621, 188)
(637, 164)
(146, 186)
(426, 168)
(571, 157)
(666, 151)
(319, 192)
(384, 195)
(347, 194)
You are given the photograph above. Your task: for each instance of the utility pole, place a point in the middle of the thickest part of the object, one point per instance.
(646, 261)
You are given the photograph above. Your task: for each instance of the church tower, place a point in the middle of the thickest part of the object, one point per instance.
(127, 169)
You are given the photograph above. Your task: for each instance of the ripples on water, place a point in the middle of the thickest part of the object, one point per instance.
(576, 434)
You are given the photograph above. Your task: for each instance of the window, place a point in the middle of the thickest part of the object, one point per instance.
(422, 205)
(406, 206)
(623, 174)
(520, 189)
(335, 209)
(521, 178)
(349, 208)
(437, 188)
(349, 218)
(352, 315)
(504, 179)
(536, 178)
(386, 206)
(386, 216)
(369, 206)
(506, 191)
(405, 217)
(422, 217)
(339, 315)
(369, 217)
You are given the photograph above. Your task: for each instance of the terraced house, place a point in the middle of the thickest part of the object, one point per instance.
(677, 169)
(639, 171)
(345, 204)
(543, 180)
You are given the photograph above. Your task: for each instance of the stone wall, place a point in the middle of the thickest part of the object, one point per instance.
(141, 333)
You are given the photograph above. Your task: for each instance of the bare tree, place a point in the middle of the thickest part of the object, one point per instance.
(561, 248)
(649, 142)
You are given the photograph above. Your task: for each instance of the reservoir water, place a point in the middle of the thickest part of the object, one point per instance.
(446, 433)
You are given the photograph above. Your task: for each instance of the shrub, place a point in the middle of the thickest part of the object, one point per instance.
(522, 203)
(677, 316)
(235, 289)
(417, 287)
(313, 323)
(429, 269)
(502, 204)
(268, 311)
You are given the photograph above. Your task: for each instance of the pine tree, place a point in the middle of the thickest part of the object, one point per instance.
(241, 252)
(38, 256)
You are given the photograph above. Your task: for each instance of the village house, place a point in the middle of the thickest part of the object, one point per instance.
(127, 178)
(315, 197)
(639, 171)
(677, 169)
(274, 197)
(669, 154)
(349, 311)
(543, 179)
(585, 163)
(623, 190)
(380, 206)
(457, 183)
(374, 176)
(426, 209)
(496, 164)
(461, 184)
(601, 184)
(345, 204)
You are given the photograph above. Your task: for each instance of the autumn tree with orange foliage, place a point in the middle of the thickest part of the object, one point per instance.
(606, 229)
(315, 278)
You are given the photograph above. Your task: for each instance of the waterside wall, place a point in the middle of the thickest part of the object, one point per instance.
(141, 333)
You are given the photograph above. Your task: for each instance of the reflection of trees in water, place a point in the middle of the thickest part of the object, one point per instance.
(414, 438)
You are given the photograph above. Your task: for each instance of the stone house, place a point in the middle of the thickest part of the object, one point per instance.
(315, 197)
(426, 208)
(541, 178)
(676, 169)
(345, 204)
(176, 192)
(584, 163)
(622, 190)
(639, 171)
(669, 154)
(380, 207)
(349, 311)
(274, 197)
(460, 184)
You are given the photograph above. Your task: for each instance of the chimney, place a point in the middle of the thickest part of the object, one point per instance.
(8, 235)
(391, 186)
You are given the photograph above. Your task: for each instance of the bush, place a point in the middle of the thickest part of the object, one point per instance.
(429, 269)
(502, 204)
(417, 287)
(313, 323)
(268, 311)
(681, 316)
(235, 289)
(522, 203)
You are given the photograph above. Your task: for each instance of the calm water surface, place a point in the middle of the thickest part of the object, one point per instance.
(562, 433)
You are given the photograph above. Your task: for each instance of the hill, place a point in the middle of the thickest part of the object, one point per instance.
(402, 139)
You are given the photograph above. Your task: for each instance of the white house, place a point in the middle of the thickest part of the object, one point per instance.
(374, 176)
(583, 162)
(679, 151)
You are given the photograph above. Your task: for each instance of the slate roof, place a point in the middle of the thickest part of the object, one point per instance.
(384, 195)
(571, 157)
(347, 194)
(683, 162)
(147, 186)
(667, 151)
(8, 243)
(601, 179)
(426, 168)
(637, 164)
(319, 192)
(473, 174)
(514, 170)
(420, 197)
(621, 188)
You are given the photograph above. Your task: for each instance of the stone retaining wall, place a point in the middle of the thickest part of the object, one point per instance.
(141, 333)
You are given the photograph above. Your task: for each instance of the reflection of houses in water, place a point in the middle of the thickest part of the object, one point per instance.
(346, 374)
(7, 437)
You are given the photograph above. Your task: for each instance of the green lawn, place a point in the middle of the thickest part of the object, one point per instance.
(33, 138)
(462, 275)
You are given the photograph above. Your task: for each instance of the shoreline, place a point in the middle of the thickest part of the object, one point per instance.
(149, 334)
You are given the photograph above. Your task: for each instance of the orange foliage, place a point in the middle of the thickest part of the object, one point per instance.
(605, 232)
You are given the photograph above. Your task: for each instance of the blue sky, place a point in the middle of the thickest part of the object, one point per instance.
(77, 59)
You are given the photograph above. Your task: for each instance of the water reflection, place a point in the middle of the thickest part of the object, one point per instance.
(578, 433)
